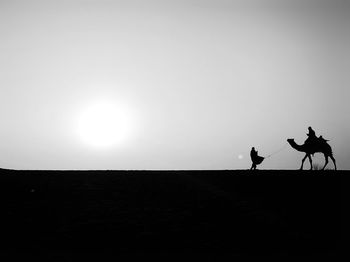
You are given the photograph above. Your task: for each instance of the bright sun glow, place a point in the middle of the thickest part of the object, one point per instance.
(104, 125)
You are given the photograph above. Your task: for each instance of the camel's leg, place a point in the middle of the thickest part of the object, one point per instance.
(302, 162)
(333, 159)
(310, 160)
(326, 161)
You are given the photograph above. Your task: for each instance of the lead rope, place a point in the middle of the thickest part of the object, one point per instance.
(284, 147)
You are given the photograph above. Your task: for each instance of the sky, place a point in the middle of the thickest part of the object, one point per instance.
(87, 84)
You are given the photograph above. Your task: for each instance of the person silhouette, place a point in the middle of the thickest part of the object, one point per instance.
(311, 136)
(311, 133)
(256, 159)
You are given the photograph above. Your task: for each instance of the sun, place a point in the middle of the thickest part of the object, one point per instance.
(104, 124)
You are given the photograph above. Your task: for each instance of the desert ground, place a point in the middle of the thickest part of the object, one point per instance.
(237, 212)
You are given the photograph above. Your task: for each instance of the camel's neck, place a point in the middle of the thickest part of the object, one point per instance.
(296, 146)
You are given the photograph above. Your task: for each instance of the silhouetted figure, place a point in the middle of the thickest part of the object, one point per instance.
(313, 139)
(311, 132)
(311, 136)
(256, 159)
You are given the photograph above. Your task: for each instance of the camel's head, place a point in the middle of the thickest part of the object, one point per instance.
(289, 140)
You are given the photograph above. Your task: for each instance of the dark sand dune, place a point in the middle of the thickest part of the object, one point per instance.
(231, 212)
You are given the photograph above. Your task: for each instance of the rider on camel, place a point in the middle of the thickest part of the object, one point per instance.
(313, 138)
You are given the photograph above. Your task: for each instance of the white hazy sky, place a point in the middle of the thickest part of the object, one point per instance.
(200, 82)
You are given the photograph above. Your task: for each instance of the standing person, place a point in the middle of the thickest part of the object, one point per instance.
(256, 159)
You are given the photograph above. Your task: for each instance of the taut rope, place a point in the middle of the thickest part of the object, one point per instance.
(282, 148)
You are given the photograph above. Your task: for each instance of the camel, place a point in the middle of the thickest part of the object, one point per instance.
(318, 146)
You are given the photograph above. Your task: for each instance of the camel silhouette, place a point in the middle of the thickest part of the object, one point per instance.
(317, 146)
